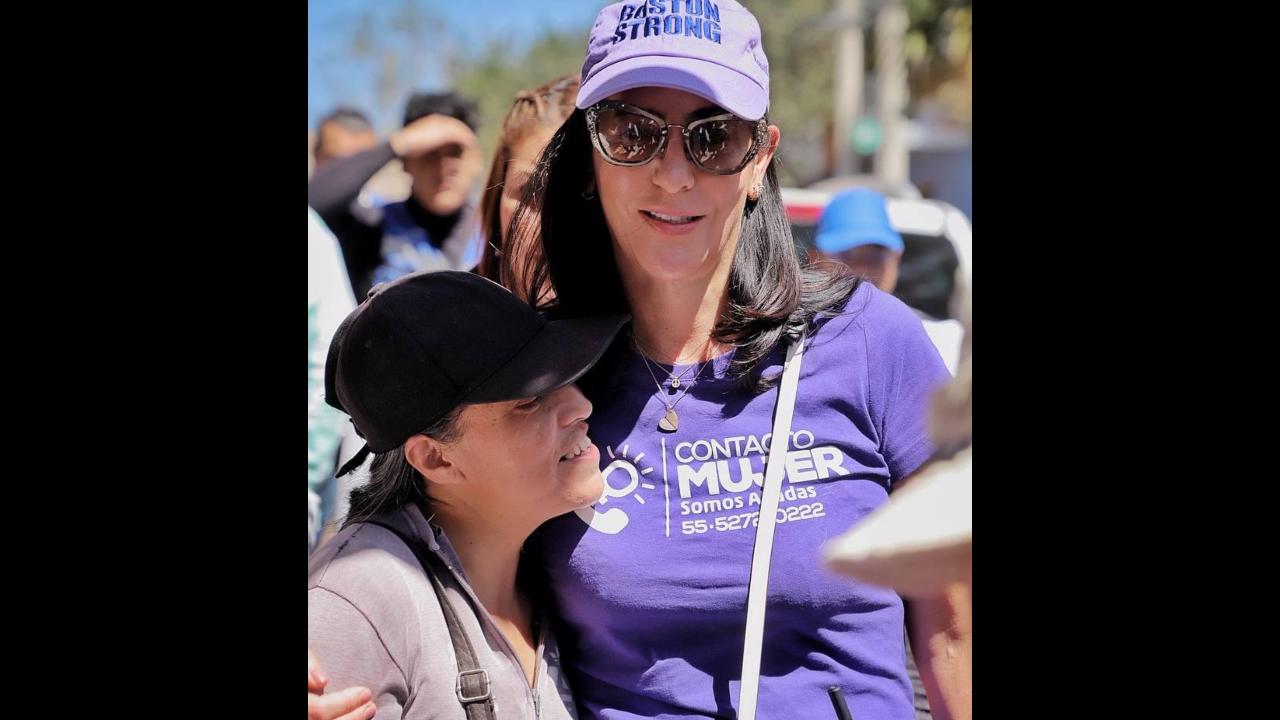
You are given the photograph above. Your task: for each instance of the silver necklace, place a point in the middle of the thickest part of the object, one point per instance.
(674, 380)
(670, 422)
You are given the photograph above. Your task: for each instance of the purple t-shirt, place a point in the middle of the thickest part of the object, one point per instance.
(651, 583)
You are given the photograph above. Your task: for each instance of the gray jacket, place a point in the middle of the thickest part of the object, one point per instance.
(374, 620)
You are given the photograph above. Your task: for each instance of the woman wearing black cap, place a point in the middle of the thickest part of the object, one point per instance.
(464, 395)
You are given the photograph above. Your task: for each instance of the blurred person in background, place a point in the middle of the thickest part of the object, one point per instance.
(344, 132)
(855, 230)
(435, 228)
(533, 118)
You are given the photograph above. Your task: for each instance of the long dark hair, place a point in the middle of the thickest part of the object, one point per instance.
(771, 295)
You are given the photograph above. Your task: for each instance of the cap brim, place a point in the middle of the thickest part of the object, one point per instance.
(723, 86)
(559, 354)
(838, 242)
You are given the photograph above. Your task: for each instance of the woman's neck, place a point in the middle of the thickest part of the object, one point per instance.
(490, 556)
(673, 321)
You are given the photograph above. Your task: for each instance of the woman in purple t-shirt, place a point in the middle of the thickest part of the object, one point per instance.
(658, 197)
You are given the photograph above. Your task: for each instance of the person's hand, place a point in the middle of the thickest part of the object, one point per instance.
(431, 133)
(354, 703)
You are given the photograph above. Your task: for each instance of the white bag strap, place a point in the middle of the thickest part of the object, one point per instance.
(758, 588)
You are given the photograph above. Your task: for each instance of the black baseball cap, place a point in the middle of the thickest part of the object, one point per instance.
(423, 344)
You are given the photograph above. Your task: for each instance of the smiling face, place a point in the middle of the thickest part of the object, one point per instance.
(670, 221)
(521, 461)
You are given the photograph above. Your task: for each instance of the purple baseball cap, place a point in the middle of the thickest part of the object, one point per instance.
(710, 48)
